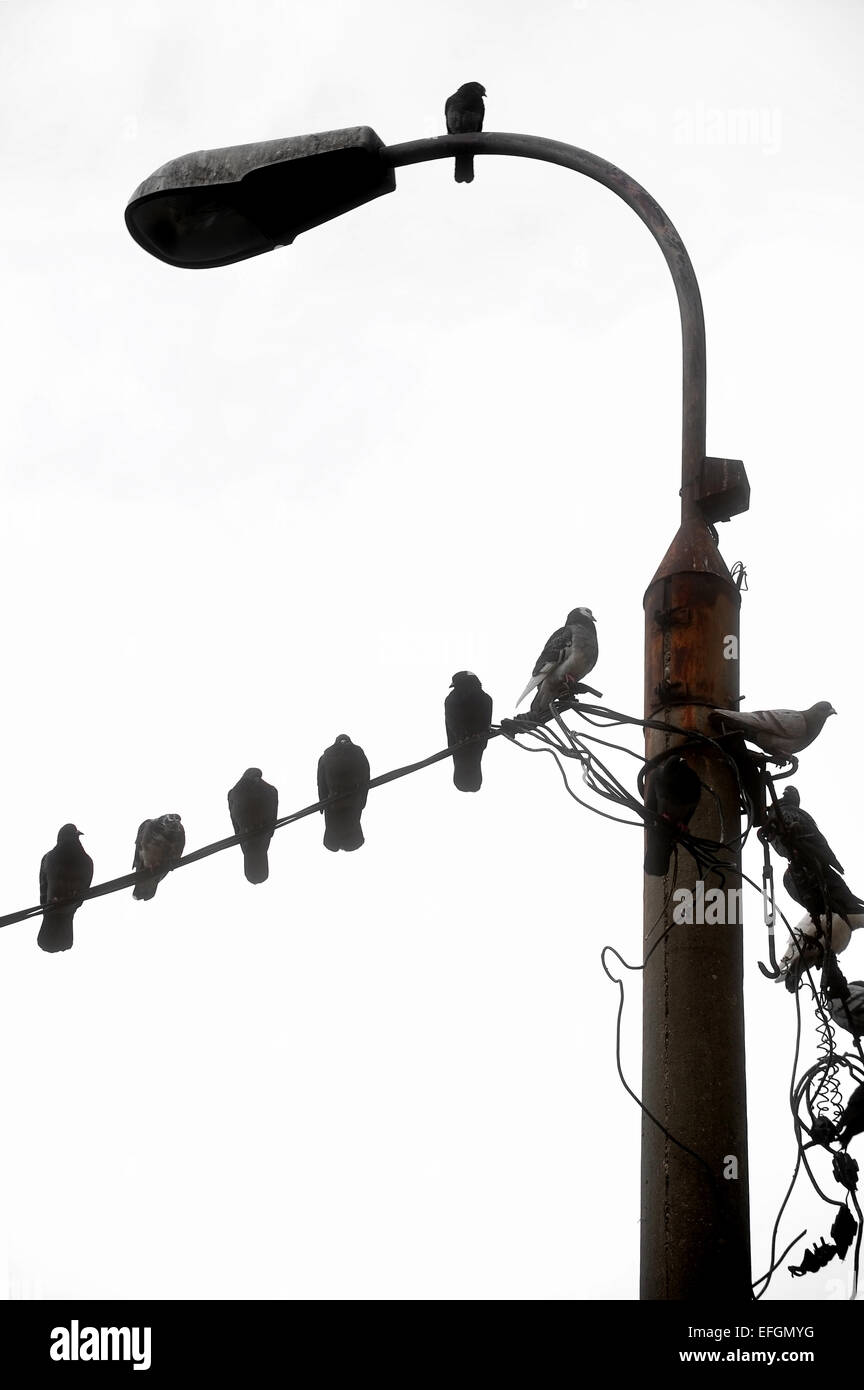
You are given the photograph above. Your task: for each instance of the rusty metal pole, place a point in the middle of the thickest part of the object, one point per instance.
(695, 1220)
(215, 207)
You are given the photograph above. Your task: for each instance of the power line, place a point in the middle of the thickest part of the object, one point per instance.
(595, 774)
(115, 885)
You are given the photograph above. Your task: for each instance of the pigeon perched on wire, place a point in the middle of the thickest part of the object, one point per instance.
(467, 712)
(254, 805)
(464, 113)
(820, 890)
(65, 874)
(781, 733)
(343, 770)
(569, 654)
(852, 1119)
(158, 846)
(792, 832)
(672, 793)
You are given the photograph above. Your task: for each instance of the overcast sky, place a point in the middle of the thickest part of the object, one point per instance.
(250, 508)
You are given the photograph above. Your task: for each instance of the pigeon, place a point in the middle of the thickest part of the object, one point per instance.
(820, 889)
(467, 711)
(806, 948)
(464, 113)
(254, 806)
(672, 793)
(65, 874)
(849, 1012)
(792, 832)
(852, 1119)
(343, 769)
(569, 654)
(778, 732)
(158, 846)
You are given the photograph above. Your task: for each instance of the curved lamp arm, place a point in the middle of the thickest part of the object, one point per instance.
(664, 233)
(215, 207)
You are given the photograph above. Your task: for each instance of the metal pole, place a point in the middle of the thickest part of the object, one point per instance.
(695, 1214)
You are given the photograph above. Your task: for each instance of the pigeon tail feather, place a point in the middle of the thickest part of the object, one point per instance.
(342, 830)
(55, 933)
(145, 890)
(467, 771)
(532, 685)
(464, 172)
(255, 863)
(658, 852)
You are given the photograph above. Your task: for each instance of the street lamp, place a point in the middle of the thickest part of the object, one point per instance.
(215, 207)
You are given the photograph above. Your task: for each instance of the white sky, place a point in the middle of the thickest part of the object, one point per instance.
(248, 509)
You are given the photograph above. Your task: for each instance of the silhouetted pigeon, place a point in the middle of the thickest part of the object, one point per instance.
(672, 793)
(852, 1119)
(343, 770)
(158, 846)
(464, 113)
(467, 711)
(569, 654)
(820, 890)
(791, 831)
(65, 874)
(254, 806)
(780, 733)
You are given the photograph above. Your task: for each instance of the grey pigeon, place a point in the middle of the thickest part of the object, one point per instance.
(672, 793)
(254, 806)
(852, 1119)
(343, 770)
(791, 832)
(781, 733)
(820, 890)
(464, 113)
(467, 712)
(65, 874)
(569, 654)
(158, 846)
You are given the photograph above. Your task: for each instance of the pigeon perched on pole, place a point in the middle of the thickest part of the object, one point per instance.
(254, 807)
(569, 654)
(852, 1119)
(781, 733)
(467, 712)
(672, 793)
(158, 846)
(821, 890)
(343, 770)
(65, 874)
(464, 113)
(792, 832)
